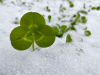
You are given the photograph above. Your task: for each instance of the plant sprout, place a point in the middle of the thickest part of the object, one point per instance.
(49, 18)
(68, 38)
(93, 8)
(32, 29)
(16, 21)
(84, 6)
(82, 11)
(47, 9)
(60, 30)
(87, 33)
(71, 4)
(61, 9)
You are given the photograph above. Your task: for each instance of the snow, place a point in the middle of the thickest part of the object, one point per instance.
(80, 57)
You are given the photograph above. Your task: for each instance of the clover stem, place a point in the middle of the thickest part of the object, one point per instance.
(33, 43)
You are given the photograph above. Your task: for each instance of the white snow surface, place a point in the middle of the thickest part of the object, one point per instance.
(59, 59)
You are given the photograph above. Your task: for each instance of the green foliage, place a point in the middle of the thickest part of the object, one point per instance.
(59, 34)
(83, 12)
(74, 15)
(85, 28)
(49, 18)
(32, 28)
(21, 38)
(1, 1)
(68, 38)
(74, 23)
(62, 8)
(60, 30)
(63, 16)
(63, 28)
(32, 20)
(93, 8)
(37, 0)
(16, 21)
(47, 9)
(87, 33)
(23, 3)
(13, 2)
(72, 28)
(58, 25)
(84, 6)
(88, 10)
(77, 19)
(96, 8)
(44, 36)
(64, 21)
(55, 29)
(71, 4)
(59, 18)
(83, 19)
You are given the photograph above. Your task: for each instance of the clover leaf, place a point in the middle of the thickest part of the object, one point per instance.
(32, 29)
(44, 36)
(32, 20)
(21, 38)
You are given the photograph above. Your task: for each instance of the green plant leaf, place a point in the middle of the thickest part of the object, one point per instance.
(32, 28)
(32, 20)
(21, 38)
(63, 28)
(44, 36)
(71, 28)
(64, 8)
(84, 6)
(55, 29)
(49, 18)
(58, 25)
(71, 4)
(1, 1)
(47, 9)
(76, 19)
(83, 12)
(93, 8)
(74, 23)
(68, 38)
(59, 18)
(98, 8)
(60, 34)
(83, 19)
(85, 28)
(74, 15)
(87, 33)
(23, 3)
